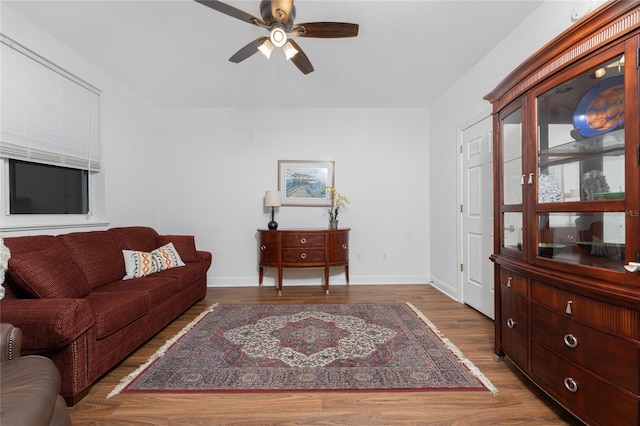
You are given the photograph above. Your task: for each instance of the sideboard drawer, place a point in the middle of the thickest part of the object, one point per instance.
(623, 321)
(339, 247)
(302, 239)
(269, 248)
(515, 282)
(303, 256)
(581, 391)
(609, 357)
(515, 336)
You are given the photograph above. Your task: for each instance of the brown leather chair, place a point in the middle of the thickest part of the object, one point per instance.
(30, 385)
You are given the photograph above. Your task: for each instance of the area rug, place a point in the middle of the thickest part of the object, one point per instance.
(326, 347)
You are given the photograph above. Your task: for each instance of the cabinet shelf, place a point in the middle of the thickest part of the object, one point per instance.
(609, 144)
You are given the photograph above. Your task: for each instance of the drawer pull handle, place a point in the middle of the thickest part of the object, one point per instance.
(263, 247)
(303, 240)
(303, 256)
(568, 310)
(571, 384)
(344, 247)
(570, 340)
(511, 323)
(509, 281)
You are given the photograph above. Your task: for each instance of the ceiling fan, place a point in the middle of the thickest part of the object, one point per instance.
(277, 18)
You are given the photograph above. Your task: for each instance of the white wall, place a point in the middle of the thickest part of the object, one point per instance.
(216, 163)
(461, 103)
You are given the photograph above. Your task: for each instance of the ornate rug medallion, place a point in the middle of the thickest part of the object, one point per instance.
(307, 347)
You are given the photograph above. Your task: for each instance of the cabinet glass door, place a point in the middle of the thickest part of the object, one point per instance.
(581, 167)
(512, 182)
(512, 158)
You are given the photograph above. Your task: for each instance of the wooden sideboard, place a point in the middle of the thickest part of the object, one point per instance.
(303, 248)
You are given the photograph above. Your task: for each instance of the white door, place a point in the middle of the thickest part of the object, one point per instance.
(477, 215)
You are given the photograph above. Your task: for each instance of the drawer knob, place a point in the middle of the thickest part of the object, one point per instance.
(344, 247)
(511, 323)
(263, 247)
(571, 384)
(568, 309)
(303, 240)
(303, 256)
(509, 281)
(570, 340)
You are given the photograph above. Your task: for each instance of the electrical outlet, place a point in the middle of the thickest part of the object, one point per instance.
(385, 256)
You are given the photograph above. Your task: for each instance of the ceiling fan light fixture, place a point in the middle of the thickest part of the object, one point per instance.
(289, 50)
(278, 37)
(266, 48)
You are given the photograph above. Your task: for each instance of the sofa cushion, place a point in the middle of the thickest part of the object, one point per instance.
(160, 289)
(117, 309)
(185, 276)
(184, 244)
(49, 273)
(99, 254)
(140, 238)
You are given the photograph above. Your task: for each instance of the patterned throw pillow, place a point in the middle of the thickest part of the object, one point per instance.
(140, 264)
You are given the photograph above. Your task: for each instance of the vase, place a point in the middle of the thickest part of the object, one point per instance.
(333, 224)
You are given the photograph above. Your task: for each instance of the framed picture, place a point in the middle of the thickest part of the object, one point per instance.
(303, 183)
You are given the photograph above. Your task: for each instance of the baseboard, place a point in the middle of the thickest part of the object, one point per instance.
(445, 288)
(290, 278)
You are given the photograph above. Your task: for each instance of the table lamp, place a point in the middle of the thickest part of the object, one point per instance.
(272, 199)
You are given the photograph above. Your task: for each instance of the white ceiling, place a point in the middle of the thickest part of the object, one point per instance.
(175, 52)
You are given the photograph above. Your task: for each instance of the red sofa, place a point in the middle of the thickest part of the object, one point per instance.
(68, 296)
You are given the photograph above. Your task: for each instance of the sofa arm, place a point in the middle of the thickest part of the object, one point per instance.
(47, 324)
(10, 342)
(205, 258)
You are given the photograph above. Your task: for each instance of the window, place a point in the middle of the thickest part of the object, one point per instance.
(44, 189)
(49, 143)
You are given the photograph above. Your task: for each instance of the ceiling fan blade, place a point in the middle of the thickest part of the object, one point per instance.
(233, 12)
(247, 50)
(325, 29)
(300, 60)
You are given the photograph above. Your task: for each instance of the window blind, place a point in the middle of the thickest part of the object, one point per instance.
(47, 115)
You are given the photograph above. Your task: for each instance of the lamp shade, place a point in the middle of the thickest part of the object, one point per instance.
(272, 198)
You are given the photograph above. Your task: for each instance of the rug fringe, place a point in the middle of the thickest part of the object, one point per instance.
(457, 352)
(160, 352)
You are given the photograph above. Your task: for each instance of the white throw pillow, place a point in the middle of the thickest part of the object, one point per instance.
(140, 264)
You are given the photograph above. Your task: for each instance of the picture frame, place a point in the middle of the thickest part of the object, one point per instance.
(303, 183)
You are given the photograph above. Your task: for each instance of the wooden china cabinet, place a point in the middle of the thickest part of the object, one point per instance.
(567, 216)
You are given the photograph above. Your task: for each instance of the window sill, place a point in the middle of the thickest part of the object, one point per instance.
(28, 223)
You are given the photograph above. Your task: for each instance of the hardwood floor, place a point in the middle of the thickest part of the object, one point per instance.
(518, 402)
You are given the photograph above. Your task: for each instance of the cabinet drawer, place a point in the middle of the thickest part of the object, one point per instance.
(268, 248)
(609, 357)
(339, 248)
(515, 336)
(303, 256)
(302, 239)
(605, 403)
(601, 314)
(516, 282)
